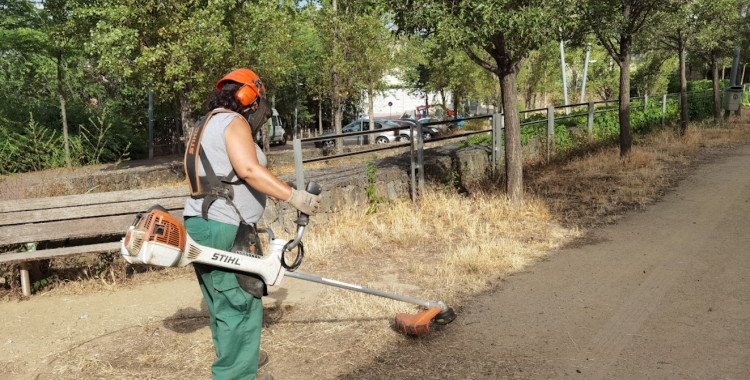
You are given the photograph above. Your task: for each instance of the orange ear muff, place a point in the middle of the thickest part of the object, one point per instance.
(245, 95)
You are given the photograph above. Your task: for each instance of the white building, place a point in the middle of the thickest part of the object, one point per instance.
(400, 99)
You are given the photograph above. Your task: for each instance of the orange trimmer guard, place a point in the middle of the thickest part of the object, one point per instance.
(416, 324)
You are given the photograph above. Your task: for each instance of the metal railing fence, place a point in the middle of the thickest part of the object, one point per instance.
(416, 145)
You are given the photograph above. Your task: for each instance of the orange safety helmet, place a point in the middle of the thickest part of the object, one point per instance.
(252, 86)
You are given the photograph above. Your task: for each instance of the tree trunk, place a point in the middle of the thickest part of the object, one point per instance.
(513, 152)
(371, 113)
(336, 108)
(63, 110)
(186, 114)
(626, 139)
(528, 95)
(683, 92)
(338, 115)
(715, 82)
(320, 114)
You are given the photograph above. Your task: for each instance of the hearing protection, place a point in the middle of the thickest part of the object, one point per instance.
(252, 87)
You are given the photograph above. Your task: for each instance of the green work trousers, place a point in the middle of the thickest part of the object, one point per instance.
(236, 316)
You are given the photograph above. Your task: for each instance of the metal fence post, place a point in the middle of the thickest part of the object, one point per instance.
(590, 121)
(413, 164)
(420, 158)
(663, 109)
(497, 140)
(550, 130)
(297, 145)
(493, 137)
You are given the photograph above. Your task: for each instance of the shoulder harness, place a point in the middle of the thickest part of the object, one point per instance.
(209, 187)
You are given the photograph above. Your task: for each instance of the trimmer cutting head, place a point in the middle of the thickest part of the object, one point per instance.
(419, 324)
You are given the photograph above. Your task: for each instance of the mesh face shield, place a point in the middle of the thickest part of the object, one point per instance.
(259, 117)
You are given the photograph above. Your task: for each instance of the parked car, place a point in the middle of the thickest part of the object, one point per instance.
(276, 133)
(427, 132)
(361, 125)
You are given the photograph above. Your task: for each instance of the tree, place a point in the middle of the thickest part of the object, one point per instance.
(345, 26)
(414, 68)
(309, 56)
(540, 74)
(616, 23)
(653, 71)
(428, 66)
(376, 59)
(45, 31)
(184, 47)
(717, 23)
(497, 35)
(603, 77)
(676, 25)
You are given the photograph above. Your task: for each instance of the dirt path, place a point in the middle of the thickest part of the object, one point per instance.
(36, 336)
(661, 294)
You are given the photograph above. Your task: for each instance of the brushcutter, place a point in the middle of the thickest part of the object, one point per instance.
(157, 238)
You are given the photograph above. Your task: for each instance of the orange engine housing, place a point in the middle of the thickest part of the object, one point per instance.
(157, 226)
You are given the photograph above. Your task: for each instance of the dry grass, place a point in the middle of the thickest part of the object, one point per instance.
(119, 275)
(147, 350)
(596, 187)
(448, 243)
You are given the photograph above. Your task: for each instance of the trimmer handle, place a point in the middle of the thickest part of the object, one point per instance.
(312, 188)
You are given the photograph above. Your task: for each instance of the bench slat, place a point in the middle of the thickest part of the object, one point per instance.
(78, 212)
(10, 258)
(92, 199)
(73, 229)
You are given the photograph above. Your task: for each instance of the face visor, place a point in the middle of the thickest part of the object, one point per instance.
(259, 116)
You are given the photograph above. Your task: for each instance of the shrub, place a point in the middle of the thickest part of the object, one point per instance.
(39, 147)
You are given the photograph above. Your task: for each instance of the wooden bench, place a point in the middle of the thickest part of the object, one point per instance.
(75, 224)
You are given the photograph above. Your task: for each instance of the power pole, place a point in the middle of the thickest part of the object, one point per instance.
(564, 76)
(585, 72)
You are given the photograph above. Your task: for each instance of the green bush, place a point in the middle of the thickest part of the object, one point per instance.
(40, 147)
(485, 138)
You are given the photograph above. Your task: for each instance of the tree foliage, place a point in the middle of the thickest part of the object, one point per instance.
(616, 24)
(497, 35)
(89, 63)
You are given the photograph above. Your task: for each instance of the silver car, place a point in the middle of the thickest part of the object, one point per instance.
(362, 125)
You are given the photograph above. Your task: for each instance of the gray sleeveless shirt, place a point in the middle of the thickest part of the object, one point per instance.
(249, 201)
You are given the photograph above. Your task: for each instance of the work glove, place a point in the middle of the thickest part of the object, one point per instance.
(305, 202)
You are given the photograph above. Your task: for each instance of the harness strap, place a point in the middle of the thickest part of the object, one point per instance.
(209, 187)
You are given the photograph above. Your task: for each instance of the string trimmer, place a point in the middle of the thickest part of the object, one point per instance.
(156, 238)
